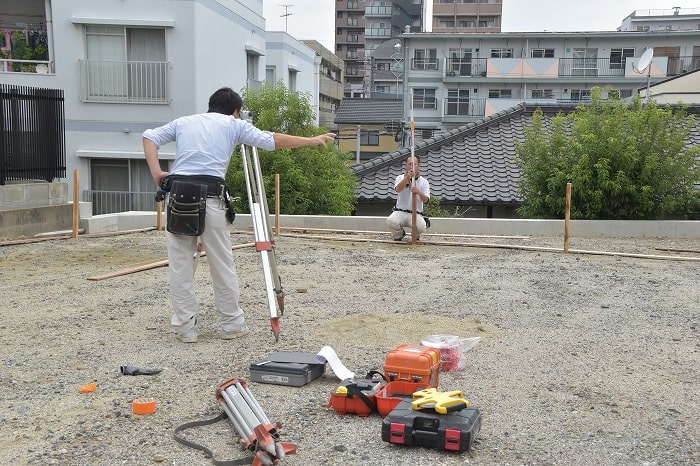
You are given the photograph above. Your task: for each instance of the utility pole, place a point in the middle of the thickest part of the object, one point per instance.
(286, 14)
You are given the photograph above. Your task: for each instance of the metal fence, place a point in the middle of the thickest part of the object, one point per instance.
(124, 81)
(111, 202)
(32, 127)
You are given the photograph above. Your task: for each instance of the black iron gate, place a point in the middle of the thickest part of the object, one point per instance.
(32, 128)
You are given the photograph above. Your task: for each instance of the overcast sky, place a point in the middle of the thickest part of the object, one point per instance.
(315, 19)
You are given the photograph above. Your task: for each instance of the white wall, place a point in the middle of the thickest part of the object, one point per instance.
(286, 53)
(206, 42)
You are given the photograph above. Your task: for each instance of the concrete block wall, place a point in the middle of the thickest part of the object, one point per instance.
(30, 208)
(28, 222)
(32, 194)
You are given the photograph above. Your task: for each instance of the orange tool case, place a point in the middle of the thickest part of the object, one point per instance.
(357, 396)
(413, 363)
(392, 393)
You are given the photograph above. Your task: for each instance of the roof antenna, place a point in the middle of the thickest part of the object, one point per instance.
(286, 14)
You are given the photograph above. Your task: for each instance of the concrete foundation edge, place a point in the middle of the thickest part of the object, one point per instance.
(681, 229)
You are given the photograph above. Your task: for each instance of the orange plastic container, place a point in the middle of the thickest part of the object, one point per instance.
(391, 394)
(348, 400)
(413, 363)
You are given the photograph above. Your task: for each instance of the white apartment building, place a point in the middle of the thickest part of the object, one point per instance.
(460, 78)
(128, 65)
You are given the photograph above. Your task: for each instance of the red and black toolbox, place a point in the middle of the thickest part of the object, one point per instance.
(357, 396)
(454, 431)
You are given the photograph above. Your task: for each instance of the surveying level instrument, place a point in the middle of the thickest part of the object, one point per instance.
(260, 217)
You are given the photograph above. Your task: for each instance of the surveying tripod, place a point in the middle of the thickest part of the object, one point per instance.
(260, 217)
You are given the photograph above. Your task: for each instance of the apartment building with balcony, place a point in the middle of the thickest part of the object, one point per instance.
(460, 78)
(361, 26)
(130, 65)
(330, 83)
(677, 19)
(467, 16)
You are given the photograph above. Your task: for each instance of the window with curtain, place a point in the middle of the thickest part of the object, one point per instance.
(125, 64)
(585, 62)
(120, 185)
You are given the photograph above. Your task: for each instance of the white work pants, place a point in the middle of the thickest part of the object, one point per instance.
(398, 220)
(217, 245)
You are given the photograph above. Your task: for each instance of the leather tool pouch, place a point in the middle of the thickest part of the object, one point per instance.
(187, 208)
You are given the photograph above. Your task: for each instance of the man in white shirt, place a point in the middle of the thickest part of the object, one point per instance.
(204, 145)
(402, 216)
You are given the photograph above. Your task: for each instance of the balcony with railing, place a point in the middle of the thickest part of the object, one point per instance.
(9, 65)
(464, 67)
(113, 81)
(378, 33)
(110, 202)
(456, 109)
(457, 69)
(380, 10)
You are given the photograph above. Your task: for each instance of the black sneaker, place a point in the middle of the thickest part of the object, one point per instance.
(403, 235)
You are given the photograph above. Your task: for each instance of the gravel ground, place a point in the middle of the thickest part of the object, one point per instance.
(584, 359)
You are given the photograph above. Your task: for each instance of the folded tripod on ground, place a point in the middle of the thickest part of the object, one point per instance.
(258, 435)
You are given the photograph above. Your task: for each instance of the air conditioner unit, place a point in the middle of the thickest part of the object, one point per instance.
(451, 73)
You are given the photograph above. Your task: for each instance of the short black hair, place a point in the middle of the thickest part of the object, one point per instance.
(226, 101)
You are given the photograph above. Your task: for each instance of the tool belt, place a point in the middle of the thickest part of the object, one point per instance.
(425, 217)
(187, 203)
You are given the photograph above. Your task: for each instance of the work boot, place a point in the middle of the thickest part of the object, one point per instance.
(235, 333)
(190, 336)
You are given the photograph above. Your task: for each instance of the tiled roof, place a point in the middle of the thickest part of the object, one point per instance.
(472, 164)
(369, 111)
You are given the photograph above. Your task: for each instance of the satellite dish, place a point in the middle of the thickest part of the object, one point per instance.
(644, 60)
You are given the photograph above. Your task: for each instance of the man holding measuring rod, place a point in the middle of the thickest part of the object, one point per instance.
(406, 185)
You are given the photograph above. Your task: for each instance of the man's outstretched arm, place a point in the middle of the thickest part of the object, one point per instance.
(287, 141)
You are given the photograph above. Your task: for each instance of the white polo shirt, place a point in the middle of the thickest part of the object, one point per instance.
(403, 200)
(206, 141)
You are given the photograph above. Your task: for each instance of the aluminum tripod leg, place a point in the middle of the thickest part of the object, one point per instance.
(263, 239)
(259, 435)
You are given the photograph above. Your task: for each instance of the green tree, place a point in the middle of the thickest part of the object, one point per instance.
(313, 180)
(624, 161)
(21, 50)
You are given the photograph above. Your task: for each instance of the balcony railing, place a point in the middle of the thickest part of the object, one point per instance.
(552, 68)
(461, 67)
(459, 107)
(591, 67)
(9, 65)
(377, 32)
(124, 81)
(111, 202)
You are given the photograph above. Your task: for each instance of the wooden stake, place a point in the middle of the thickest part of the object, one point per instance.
(76, 203)
(504, 246)
(567, 217)
(153, 265)
(159, 215)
